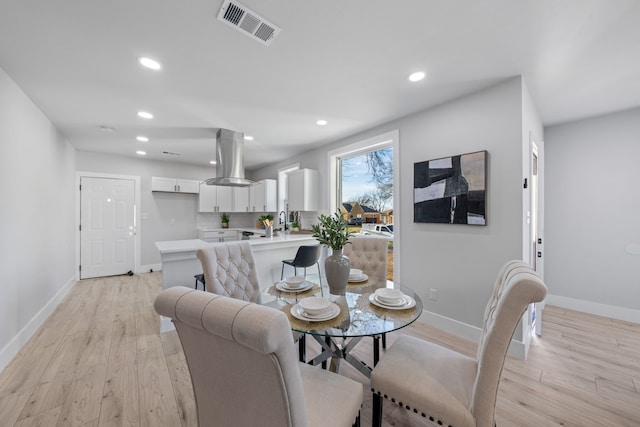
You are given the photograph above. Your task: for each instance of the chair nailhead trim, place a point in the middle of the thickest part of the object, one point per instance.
(432, 419)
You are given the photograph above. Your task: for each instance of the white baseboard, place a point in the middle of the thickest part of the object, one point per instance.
(21, 338)
(464, 330)
(147, 268)
(605, 310)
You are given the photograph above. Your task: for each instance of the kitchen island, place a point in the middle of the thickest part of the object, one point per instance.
(180, 263)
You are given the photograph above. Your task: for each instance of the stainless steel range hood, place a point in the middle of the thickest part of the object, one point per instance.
(229, 160)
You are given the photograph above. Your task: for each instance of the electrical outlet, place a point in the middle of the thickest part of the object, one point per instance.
(433, 294)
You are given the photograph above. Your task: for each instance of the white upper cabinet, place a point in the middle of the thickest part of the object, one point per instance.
(215, 198)
(263, 196)
(258, 197)
(174, 185)
(224, 199)
(241, 199)
(207, 198)
(303, 190)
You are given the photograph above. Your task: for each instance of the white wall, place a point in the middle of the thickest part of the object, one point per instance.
(460, 261)
(36, 218)
(165, 216)
(593, 206)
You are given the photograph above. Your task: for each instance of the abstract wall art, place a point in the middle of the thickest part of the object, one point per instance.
(451, 190)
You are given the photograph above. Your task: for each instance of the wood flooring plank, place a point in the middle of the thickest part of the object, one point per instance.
(45, 397)
(119, 406)
(183, 390)
(12, 404)
(44, 419)
(156, 395)
(25, 372)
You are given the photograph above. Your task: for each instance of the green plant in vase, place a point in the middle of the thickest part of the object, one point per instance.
(224, 219)
(333, 231)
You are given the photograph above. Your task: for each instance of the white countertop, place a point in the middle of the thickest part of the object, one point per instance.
(192, 245)
(249, 229)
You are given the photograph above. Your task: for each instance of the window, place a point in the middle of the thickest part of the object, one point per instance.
(366, 185)
(345, 163)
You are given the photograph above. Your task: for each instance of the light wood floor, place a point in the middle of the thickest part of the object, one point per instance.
(100, 361)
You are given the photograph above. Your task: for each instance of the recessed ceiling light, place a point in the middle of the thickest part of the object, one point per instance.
(141, 153)
(213, 162)
(321, 122)
(417, 76)
(145, 115)
(142, 138)
(248, 138)
(149, 63)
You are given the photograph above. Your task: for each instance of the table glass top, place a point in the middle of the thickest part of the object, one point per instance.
(359, 315)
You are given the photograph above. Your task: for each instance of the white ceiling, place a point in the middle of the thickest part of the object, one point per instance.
(344, 61)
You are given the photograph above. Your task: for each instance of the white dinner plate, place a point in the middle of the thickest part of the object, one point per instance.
(332, 311)
(400, 303)
(408, 303)
(282, 286)
(361, 278)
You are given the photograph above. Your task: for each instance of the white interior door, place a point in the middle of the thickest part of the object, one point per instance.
(107, 226)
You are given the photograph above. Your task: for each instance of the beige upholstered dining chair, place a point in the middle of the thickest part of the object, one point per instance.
(230, 270)
(449, 388)
(369, 254)
(244, 370)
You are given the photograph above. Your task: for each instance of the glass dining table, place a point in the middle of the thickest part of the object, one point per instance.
(360, 315)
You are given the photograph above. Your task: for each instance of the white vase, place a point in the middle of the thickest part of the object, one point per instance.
(336, 267)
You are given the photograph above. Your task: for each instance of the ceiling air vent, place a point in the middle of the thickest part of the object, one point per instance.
(171, 153)
(248, 22)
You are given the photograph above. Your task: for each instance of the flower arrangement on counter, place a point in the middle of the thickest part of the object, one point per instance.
(263, 220)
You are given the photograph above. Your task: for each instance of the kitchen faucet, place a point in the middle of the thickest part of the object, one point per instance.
(282, 217)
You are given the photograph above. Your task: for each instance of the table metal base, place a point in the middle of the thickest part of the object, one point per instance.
(331, 349)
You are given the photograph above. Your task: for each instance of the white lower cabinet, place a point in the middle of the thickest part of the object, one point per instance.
(219, 235)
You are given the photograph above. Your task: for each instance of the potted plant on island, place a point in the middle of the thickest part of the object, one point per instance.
(333, 231)
(224, 219)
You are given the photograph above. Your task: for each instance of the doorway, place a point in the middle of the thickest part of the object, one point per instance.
(107, 226)
(535, 253)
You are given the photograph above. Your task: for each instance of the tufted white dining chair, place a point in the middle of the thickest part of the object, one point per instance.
(244, 370)
(448, 388)
(230, 270)
(369, 254)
